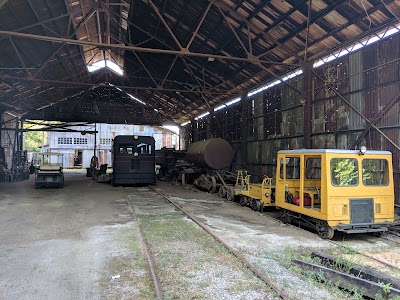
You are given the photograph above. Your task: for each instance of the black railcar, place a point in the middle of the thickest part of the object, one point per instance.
(133, 160)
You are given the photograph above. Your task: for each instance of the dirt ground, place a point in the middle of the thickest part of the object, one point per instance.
(69, 243)
(82, 242)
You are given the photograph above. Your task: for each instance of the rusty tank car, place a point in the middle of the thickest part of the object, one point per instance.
(213, 153)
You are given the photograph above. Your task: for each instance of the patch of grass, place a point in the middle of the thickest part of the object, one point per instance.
(191, 264)
(239, 287)
(134, 281)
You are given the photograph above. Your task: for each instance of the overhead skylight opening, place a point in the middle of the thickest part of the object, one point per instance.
(219, 107)
(136, 99)
(358, 45)
(185, 123)
(105, 64)
(372, 40)
(342, 52)
(114, 67)
(233, 101)
(202, 115)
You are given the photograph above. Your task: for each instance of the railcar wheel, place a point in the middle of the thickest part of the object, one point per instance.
(255, 204)
(213, 189)
(222, 192)
(243, 201)
(258, 203)
(230, 194)
(286, 218)
(324, 230)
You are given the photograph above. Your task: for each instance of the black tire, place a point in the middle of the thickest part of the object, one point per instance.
(324, 230)
(243, 201)
(230, 195)
(253, 205)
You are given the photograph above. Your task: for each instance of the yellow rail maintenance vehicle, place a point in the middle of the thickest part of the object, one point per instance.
(327, 189)
(256, 195)
(345, 190)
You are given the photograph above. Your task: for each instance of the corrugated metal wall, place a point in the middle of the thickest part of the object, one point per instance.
(7, 137)
(368, 80)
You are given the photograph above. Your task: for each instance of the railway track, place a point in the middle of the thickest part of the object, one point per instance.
(283, 294)
(387, 264)
(395, 233)
(146, 250)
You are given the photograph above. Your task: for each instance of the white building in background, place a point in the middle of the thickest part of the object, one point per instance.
(78, 149)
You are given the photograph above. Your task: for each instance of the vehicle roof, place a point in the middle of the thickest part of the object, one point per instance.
(339, 151)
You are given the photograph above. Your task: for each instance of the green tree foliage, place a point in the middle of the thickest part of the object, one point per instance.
(33, 139)
(344, 171)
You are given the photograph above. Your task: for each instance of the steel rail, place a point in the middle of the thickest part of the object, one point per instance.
(283, 294)
(368, 288)
(387, 264)
(145, 248)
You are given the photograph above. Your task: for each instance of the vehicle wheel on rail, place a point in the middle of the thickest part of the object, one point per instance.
(243, 201)
(286, 218)
(213, 185)
(255, 204)
(324, 230)
(230, 194)
(378, 234)
(222, 192)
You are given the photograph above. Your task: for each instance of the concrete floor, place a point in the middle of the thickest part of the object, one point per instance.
(56, 243)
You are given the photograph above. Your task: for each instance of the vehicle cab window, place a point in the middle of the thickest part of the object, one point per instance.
(292, 167)
(344, 171)
(375, 172)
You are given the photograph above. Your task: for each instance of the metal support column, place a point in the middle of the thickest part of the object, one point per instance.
(210, 125)
(192, 130)
(243, 145)
(308, 93)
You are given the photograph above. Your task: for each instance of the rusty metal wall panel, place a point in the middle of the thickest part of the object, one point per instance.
(252, 152)
(355, 121)
(392, 116)
(292, 121)
(259, 116)
(272, 111)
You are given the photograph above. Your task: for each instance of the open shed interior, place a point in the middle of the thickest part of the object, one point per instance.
(263, 75)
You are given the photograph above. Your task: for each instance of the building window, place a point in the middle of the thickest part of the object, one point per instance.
(64, 141)
(105, 141)
(80, 141)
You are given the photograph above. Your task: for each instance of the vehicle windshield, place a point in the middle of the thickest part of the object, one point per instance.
(344, 171)
(375, 172)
